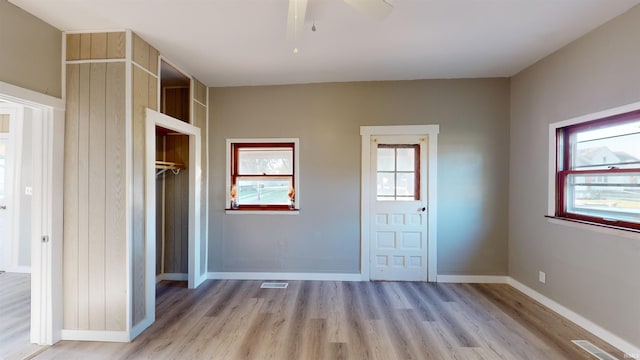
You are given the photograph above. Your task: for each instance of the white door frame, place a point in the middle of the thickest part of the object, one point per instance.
(15, 136)
(196, 275)
(367, 186)
(47, 239)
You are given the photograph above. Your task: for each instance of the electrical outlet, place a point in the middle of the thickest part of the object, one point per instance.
(542, 277)
(28, 190)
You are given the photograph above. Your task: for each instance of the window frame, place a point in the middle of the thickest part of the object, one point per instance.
(562, 170)
(233, 146)
(416, 171)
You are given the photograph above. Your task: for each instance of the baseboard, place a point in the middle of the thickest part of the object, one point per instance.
(284, 276)
(474, 279)
(172, 277)
(95, 335)
(623, 345)
(19, 269)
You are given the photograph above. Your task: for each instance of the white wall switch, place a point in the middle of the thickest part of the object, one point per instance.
(542, 277)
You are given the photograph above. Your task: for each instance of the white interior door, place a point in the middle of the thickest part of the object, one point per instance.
(399, 213)
(6, 194)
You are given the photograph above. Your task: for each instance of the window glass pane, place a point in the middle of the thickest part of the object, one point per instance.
(386, 184)
(406, 184)
(617, 146)
(263, 192)
(265, 161)
(396, 172)
(406, 159)
(386, 159)
(614, 196)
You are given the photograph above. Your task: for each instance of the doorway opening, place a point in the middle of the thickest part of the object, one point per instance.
(188, 137)
(37, 220)
(172, 205)
(16, 207)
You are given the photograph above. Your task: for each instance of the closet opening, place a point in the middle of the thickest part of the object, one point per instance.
(172, 205)
(174, 245)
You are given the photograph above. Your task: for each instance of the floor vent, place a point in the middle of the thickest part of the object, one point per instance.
(274, 285)
(593, 350)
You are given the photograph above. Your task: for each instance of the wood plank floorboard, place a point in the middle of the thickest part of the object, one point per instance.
(234, 319)
(15, 316)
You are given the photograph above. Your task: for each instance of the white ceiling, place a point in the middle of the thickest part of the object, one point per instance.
(244, 42)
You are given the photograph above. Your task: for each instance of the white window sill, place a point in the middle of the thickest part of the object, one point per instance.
(262, 212)
(603, 229)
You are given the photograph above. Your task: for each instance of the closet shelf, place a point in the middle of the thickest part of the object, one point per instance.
(163, 166)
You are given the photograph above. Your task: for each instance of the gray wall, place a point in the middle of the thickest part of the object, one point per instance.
(31, 51)
(325, 237)
(593, 274)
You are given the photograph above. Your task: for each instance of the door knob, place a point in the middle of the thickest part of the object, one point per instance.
(423, 209)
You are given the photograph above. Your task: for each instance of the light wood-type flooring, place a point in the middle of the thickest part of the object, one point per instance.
(15, 316)
(344, 320)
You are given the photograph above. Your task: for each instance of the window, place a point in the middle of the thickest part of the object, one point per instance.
(263, 174)
(598, 171)
(398, 172)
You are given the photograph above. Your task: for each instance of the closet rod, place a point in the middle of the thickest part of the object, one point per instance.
(163, 166)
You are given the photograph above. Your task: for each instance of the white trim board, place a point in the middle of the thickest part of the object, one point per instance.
(19, 269)
(95, 335)
(283, 276)
(141, 326)
(473, 279)
(128, 178)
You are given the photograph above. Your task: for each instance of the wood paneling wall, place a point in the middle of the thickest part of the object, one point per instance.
(145, 95)
(96, 46)
(94, 185)
(96, 178)
(176, 205)
(176, 102)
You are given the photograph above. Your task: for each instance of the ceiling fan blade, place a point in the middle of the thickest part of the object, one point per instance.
(377, 9)
(295, 20)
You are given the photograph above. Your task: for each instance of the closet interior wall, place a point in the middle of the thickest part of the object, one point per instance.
(172, 208)
(172, 186)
